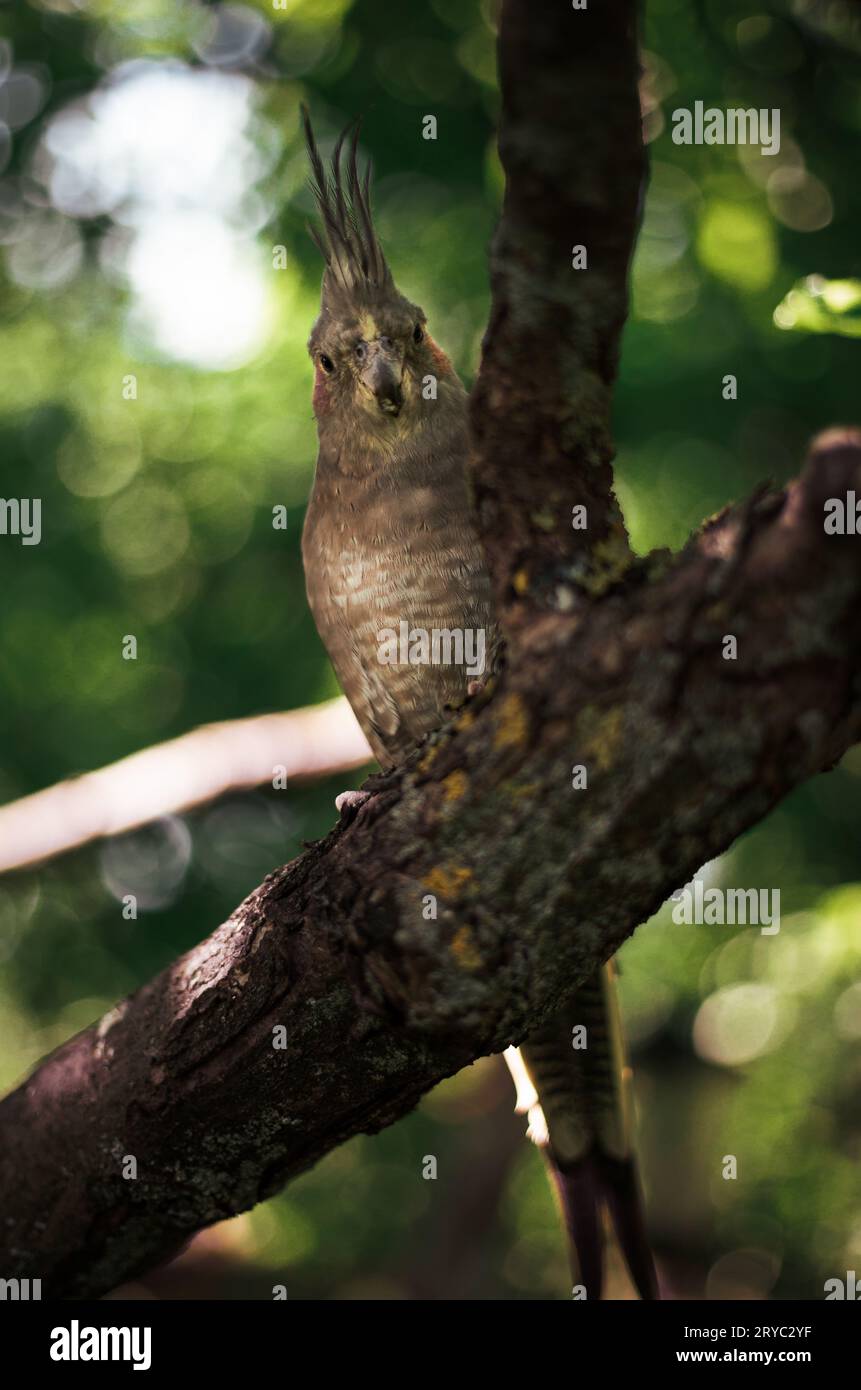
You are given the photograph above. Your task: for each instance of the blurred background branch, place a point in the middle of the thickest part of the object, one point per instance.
(175, 776)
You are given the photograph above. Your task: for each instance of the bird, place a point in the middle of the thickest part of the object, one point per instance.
(389, 544)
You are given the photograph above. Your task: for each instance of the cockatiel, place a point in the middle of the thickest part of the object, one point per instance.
(388, 538)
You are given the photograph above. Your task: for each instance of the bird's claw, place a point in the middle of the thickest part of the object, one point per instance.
(350, 801)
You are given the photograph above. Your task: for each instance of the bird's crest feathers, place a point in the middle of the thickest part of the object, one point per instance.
(355, 264)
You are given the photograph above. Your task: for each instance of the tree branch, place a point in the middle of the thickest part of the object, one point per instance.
(178, 775)
(535, 885)
(571, 145)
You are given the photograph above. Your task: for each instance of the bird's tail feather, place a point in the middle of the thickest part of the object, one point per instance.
(583, 1192)
(580, 1114)
(579, 1196)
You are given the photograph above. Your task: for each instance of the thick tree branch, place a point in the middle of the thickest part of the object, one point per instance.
(535, 884)
(178, 775)
(571, 145)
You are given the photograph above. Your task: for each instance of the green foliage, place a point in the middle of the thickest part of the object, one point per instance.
(817, 305)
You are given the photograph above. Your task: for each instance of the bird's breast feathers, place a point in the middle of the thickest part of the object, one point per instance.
(401, 598)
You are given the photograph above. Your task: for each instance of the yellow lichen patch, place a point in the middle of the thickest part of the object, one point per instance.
(544, 520)
(426, 761)
(455, 785)
(447, 880)
(610, 559)
(599, 732)
(520, 581)
(464, 950)
(518, 790)
(512, 725)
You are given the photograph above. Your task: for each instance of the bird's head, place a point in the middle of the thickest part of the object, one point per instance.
(370, 346)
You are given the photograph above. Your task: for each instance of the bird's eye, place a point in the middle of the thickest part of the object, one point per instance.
(361, 351)
(418, 334)
(326, 363)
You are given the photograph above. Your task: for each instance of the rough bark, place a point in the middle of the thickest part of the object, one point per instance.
(534, 883)
(571, 145)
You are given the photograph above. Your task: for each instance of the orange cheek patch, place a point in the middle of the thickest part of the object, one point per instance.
(441, 362)
(320, 400)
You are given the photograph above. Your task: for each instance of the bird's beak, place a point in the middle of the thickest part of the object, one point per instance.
(381, 375)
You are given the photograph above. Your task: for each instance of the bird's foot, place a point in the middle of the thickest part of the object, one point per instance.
(350, 801)
(473, 688)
